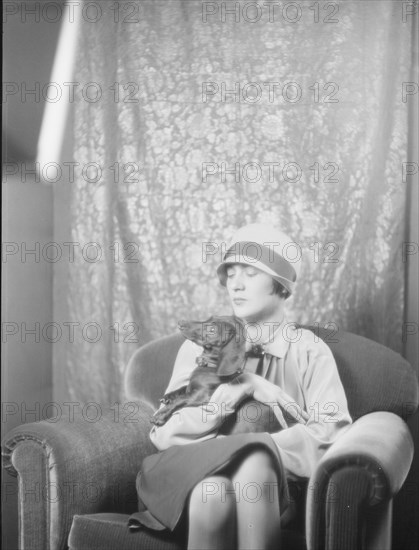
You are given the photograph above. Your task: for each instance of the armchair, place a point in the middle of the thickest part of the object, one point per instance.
(77, 477)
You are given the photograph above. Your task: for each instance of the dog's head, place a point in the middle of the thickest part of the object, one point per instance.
(222, 338)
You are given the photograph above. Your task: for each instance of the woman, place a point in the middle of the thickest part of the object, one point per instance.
(234, 487)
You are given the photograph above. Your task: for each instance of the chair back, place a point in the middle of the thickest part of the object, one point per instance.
(150, 368)
(375, 378)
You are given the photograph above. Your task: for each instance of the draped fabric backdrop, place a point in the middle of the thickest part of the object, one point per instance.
(317, 132)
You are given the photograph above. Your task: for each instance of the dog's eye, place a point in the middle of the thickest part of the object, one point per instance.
(207, 347)
(209, 329)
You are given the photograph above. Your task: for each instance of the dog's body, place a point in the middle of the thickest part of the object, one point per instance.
(222, 360)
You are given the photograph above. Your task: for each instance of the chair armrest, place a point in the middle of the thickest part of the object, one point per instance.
(75, 466)
(379, 440)
(378, 447)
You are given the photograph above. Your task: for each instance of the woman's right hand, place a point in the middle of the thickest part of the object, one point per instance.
(229, 394)
(253, 385)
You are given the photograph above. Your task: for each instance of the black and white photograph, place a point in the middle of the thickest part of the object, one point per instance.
(210, 268)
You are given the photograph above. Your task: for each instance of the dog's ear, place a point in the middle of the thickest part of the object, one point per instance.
(233, 354)
(229, 329)
(239, 325)
(232, 358)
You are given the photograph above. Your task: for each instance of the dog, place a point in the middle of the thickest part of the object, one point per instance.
(223, 359)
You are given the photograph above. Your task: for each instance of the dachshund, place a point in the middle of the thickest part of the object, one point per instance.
(223, 358)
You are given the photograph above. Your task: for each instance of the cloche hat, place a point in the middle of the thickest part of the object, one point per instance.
(267, 249)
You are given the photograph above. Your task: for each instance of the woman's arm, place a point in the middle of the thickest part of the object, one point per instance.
(302, 445)
(264, 391)
(188, 424)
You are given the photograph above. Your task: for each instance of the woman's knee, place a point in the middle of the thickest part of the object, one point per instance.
(259, 466)
(212, 502)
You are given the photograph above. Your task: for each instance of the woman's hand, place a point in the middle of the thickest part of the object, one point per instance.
(227, 397)
(264, 391)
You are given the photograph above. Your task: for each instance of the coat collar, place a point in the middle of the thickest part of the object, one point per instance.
(279, 343)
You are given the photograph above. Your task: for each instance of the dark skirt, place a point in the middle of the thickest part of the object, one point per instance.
(167, 478)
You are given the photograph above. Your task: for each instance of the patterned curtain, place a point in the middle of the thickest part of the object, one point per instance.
(193, 118)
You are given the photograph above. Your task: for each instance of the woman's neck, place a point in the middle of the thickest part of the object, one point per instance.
(267, 326)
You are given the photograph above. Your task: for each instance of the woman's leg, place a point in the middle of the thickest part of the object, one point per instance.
(258, 516)
(212, 515)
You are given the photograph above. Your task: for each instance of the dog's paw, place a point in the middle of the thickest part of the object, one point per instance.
(161, 416)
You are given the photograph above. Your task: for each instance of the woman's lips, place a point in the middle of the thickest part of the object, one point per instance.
(239, 300)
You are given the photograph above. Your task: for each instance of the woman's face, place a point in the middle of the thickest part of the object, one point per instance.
(250, 292)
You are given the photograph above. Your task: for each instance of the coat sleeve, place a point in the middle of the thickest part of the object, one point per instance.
(188, 424)
(302, 445)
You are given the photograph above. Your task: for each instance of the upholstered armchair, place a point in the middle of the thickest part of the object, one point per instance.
(84, 471)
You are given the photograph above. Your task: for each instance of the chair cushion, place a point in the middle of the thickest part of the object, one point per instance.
(110, 532)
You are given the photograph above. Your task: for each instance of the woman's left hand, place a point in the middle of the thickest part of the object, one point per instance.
(264, 391)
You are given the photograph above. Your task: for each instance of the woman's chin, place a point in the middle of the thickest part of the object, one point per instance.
(245, 313)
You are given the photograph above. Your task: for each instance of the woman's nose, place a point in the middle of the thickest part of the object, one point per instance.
(237, 281)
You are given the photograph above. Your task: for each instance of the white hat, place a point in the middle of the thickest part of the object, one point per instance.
(267, 249)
